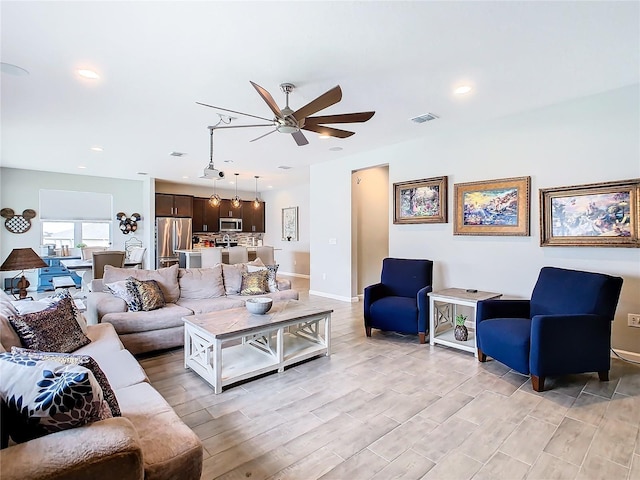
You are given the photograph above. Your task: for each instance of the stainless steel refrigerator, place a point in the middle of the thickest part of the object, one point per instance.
(171, 234)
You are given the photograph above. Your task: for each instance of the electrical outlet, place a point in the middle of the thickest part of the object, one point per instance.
(633, 320)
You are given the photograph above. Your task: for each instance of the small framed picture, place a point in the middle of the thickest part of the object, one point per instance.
(493, 207)
(593, 215)
(290, 224)
(420, 201)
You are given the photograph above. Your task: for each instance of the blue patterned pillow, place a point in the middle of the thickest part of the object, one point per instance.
(43, 396)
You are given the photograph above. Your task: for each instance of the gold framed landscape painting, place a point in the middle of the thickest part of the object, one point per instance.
(592, 215)
(493, 207)
(420, 201)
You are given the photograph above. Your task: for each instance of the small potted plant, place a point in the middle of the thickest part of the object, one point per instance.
(460, 332)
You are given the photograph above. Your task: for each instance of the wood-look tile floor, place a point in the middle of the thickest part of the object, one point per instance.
(387, 407)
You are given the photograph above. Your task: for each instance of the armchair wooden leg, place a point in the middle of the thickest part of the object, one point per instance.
(367, 331)
(422, 336)
(537, 383)
(604, 376)
(482, 357)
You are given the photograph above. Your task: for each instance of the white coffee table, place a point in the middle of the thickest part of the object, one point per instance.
(229, 346)
(443, 310)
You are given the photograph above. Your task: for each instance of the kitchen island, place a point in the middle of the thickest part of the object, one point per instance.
(191, 258)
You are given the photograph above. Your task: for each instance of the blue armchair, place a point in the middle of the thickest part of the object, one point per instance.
(399, 302)
(565, 328)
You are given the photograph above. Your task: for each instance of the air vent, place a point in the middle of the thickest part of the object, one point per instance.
(427, 117)
(285, 167)
(177, 154)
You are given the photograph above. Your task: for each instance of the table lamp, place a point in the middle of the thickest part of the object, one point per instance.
(21, 259)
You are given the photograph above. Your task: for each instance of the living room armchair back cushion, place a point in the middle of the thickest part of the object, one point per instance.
(560, 291)
(404, 277)
(167, 279)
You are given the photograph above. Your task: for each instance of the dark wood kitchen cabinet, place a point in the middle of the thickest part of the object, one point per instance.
(205, 217)
(252, 218)
(169, 205)
(226, 210)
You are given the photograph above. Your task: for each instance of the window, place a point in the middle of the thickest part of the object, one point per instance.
(72, 233)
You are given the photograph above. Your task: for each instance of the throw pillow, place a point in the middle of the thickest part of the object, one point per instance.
(44, 396)
(85, 361)
(200, 283)
(271, 278)
(54, 329)
(120, 290)
(254, 283)
(167, 278)
(24, 306)
(232, 275)
(147, 292)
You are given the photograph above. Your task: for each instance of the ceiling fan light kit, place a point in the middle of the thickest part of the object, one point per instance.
(293, 122)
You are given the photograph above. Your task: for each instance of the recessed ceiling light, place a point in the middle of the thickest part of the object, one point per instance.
(81, 167)
(269, 186)
(177, 154)
(335, 149)
(90, 74)
(143, 173)
(185, 176)
(13, 70)
(97, 149)
(228, 161)
(285, 167)
(462, 90)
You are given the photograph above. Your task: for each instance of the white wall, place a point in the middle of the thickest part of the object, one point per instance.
(293, 257)
(20, 190)
(588, 140)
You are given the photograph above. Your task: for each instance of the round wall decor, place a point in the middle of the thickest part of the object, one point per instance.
(17, 223)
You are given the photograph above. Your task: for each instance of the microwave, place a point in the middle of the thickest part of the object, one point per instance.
(230, 224)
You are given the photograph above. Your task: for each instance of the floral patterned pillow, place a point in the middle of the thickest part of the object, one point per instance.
(43, 396)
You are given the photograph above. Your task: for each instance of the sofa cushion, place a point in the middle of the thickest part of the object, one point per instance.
(120, 290)
(54, 329)
(132, 322)
(254, 283)
(147, 293)
(200, 283)
(167, 278)
(104, 341)
(43, 396)
(82, 360)
(171, 450)
(121, 369)
(8, 336)
(198, 306)
(232, 275)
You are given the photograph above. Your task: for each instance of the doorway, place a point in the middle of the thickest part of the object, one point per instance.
(369, 225)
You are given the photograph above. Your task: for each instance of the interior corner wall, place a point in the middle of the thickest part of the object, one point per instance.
(587, 140)
(292, 256)
(20, 189)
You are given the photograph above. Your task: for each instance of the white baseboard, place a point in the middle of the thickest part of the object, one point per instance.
(334, 297)
(635, 357)
(289, 274)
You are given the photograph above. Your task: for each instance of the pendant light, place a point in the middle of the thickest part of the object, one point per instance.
(256, 201)
(214, 200)
(235, 203)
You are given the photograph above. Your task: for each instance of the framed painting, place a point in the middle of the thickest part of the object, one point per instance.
(593, 215)
(290, 224)
(420, 201)
(493, 207)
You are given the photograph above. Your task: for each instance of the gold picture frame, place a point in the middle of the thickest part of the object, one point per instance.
(493, 207)
(420, 201)
(592, 215)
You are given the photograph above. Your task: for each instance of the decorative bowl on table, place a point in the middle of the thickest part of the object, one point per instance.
(259, 306)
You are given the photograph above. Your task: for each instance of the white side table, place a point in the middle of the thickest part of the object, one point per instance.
(443, 310)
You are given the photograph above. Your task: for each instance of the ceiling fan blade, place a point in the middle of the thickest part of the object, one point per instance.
(266, 96)
(262, 136)
(332, 132)
(340, 118)
(325, 100)
(233, 111)
(300, 138)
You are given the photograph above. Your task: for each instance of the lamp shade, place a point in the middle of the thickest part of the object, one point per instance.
(22, 259)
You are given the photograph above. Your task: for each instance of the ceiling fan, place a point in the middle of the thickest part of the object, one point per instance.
(289, 121)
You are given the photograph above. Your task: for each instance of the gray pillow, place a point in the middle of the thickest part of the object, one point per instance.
(232, 275)
(201, 283)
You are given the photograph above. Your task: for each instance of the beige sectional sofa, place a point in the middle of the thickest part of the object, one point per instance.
(187, 291)
(149, 441)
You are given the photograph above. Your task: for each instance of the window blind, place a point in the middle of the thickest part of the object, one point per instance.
(70, 205)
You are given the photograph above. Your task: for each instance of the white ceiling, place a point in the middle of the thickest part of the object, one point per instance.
(401, 59)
